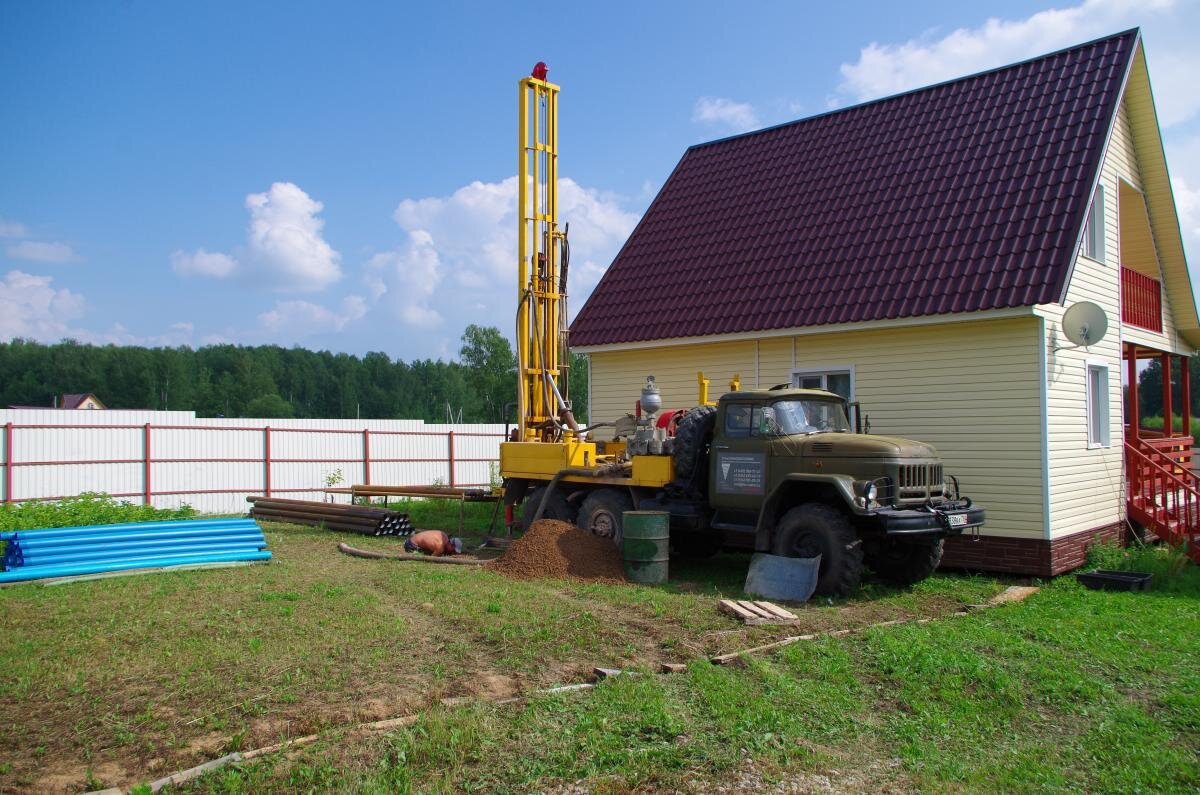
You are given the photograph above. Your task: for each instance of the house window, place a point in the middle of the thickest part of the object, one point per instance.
(1097, 405)
(1093, 228)
(839, 380)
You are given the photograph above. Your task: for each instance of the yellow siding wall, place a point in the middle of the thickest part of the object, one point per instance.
(615, 387)
(969, 388)
(1087, 485)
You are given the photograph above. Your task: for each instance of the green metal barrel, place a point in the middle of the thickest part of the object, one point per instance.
(645, 545)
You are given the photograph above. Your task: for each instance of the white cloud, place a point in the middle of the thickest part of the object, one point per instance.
(887, 68)
(1187, 202)
(285, 242)
(720, 111)
(406, 279)
(176, 335)
(284, 246)
(38, 251)
(203, 263)
(292, 320)
(12, 228)
(31, 307)
(459, 263)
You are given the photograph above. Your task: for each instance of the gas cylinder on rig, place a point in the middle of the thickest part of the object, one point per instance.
(651, 397)
(644, 440)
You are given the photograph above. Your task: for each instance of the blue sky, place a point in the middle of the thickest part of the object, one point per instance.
(334, 175)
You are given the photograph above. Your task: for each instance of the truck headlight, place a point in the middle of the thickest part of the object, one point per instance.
(867, 492)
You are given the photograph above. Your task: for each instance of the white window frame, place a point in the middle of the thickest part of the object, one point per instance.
(824, 372)
(1094, 240)
(1094, 365)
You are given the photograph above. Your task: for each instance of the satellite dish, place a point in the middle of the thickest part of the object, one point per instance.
(1084, 324)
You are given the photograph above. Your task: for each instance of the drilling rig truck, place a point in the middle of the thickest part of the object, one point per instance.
(778, 470)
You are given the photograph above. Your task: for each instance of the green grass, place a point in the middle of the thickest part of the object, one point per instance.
(89, 508)
(1073, 690)
(131, 679)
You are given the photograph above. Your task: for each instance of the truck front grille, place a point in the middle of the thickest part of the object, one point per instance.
(920, 482)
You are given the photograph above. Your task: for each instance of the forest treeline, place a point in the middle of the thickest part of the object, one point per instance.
(271, 381)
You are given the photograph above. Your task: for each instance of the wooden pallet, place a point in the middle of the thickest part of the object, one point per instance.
(754, 613)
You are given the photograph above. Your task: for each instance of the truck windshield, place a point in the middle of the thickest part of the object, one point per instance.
(807, 416)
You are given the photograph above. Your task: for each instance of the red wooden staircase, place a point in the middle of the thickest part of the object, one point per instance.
(1164, 491)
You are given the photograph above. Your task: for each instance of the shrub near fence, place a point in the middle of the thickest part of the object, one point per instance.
(170, 458)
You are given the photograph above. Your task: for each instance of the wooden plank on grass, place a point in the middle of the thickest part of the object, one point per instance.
(755, 613)
(777, 611)
(755, 610)
(734, 609)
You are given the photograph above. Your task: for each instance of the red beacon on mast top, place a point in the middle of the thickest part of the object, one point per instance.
(540, 71)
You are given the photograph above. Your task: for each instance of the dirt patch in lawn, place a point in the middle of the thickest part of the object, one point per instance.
(559, 550)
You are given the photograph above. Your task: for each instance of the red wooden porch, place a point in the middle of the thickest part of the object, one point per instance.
(1163, 490)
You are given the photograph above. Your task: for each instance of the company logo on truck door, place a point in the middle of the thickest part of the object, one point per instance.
(741, 473)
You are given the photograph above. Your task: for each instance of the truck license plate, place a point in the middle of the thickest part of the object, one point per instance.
(957, 519)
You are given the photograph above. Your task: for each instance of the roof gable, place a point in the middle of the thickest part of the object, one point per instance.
(1160, 200)
(964, 196)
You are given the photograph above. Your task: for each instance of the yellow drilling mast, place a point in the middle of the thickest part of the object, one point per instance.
(543, 253)
(545, 440)
(547, 453)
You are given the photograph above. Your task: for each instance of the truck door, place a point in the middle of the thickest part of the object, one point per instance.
(738, 465)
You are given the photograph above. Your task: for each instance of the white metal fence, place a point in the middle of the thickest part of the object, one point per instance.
(171, 457)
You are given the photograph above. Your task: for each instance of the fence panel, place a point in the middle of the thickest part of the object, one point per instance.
(170, 458)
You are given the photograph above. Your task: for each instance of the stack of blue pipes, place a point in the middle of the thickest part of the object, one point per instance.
(93, 549)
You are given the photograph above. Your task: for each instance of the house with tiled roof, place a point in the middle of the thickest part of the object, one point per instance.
(71, 401)
(917, 254)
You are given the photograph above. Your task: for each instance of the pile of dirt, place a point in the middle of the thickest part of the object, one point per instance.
(560, 550)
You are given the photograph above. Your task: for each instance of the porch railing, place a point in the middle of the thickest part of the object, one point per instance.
(1168, 505)
(1141, 300)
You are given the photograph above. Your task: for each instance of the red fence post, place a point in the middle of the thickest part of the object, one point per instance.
(267, 460)
(8, 462)
(146, 493)
(366, 456)
(450, 444)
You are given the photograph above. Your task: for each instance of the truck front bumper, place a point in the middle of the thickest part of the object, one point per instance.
(950, 519)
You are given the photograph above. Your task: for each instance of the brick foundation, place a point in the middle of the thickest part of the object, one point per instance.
(1032, 556)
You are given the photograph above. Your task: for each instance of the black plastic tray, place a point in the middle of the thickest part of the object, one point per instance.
(1107, 580)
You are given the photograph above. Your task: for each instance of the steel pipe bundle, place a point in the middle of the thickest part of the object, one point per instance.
(68, 551)
(361, 519)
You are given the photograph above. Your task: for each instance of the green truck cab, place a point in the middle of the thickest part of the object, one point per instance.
(782, 471)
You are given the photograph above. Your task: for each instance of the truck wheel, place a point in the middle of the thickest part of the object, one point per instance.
(557, 508)
(600, 513)
(816, 529)
(904, 564)
(691, 440)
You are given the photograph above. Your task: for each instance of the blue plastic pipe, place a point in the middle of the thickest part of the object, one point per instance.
(27, 542)
(74, 569)
(135, 562)
(77, 556)
(134, 559)
(137, 527)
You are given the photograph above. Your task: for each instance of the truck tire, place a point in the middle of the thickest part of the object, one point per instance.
(817, 529)
(692, 436)
(602, 510)
(902, 564)
(557, 508)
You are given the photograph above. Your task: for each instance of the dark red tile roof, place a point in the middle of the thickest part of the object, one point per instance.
(963, 196)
